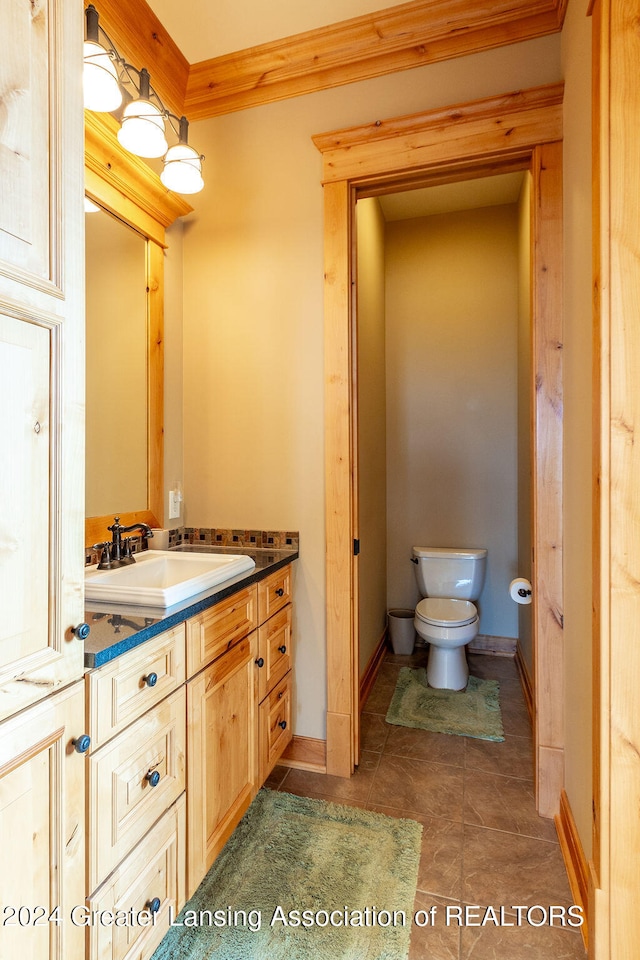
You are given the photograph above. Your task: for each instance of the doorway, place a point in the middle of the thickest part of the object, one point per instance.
(497, 135)
(443, 344)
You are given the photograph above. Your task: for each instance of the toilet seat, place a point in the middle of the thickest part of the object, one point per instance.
(440, 612)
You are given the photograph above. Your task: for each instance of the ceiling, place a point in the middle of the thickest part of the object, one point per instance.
(449, 197)
(203, 29)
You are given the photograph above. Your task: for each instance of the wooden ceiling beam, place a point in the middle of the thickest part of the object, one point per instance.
(398, 38)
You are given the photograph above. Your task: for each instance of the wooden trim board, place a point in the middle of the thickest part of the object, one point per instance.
(574, 860)
(527, 684)
(494, 646)
(305, 753)
(372, 669)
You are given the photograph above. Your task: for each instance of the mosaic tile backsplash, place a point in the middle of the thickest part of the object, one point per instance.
(218, 537)
(276, 539)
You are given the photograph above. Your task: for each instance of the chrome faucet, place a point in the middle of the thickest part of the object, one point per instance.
(117, 552)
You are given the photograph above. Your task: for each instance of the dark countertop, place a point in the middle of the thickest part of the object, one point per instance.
(118, 627)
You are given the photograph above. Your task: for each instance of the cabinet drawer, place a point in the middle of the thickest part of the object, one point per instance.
(211, 633)
(122, 691)
(274, 650)
(155, 869)
(275, 726)
(274, 592)
(123, 800)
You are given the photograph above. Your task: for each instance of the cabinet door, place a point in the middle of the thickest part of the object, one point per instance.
(42, 828)
(133, 779)
(154, 870)
(41, 349)
(222, 750)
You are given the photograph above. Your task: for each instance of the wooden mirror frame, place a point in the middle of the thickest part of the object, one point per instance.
(126, 187)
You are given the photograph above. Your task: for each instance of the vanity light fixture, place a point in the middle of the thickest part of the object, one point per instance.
(145, 121)
(182, 164)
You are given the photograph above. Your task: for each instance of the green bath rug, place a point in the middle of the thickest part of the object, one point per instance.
(303, 879)
(474, 712)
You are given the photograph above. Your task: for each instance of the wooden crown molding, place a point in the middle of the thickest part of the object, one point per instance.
(398, 38)
(110, 169)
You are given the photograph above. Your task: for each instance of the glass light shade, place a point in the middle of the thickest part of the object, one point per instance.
(182, 169)
(102, 91)
(142, 130)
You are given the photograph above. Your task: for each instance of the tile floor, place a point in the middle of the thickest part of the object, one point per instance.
(483, 843)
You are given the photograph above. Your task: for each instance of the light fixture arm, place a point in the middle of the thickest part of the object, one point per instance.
(93, 26)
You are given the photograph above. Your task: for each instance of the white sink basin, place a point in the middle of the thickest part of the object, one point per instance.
(160, 578)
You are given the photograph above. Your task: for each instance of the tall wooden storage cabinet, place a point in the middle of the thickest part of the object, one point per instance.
(41, 477)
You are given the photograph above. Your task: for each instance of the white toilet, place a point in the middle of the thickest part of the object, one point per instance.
(449, 580)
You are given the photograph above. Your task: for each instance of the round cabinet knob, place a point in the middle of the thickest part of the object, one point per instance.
(282, 649)
(283, 724)
(153, 777)
(260, 661)
(82, 743)
(151, 679)
(153, 905)
(280, 592)
(82, 631)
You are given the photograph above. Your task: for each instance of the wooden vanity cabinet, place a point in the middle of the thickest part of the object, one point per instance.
(238, 710)
(136, 707)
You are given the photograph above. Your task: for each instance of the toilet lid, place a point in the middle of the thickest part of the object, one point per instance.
(446, 613)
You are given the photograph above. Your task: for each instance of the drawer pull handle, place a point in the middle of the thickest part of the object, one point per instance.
(153, 905)
(260, 661)
(280, 592)
(283, 724)
(153, 777)
(151, 679)
(282, 649)
(82, 743)
(82, 631)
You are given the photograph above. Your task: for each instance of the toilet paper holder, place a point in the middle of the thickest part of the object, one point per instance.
(520, 590)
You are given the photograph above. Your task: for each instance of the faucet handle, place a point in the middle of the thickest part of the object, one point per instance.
(105, 556)
(127, 555)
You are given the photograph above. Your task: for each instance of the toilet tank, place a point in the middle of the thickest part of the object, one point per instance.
(449, 572)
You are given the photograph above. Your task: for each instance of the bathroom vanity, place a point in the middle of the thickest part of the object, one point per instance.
(187, 713)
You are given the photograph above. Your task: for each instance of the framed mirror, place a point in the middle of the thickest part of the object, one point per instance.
(125, 323)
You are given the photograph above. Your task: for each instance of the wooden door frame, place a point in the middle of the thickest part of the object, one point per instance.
(614, 892)
(521, 130)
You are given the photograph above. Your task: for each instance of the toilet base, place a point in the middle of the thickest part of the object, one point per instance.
(447, 668)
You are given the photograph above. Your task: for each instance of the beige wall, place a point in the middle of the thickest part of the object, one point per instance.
(576, 52)
(372, 450)
(524, 414)
(253, 315)
(452, 309)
